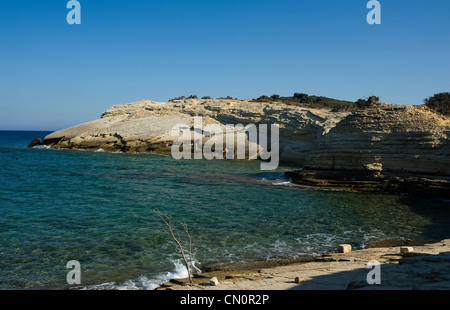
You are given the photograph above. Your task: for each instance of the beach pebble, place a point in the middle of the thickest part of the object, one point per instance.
(213, 281)
(406, 249)
(344, 248)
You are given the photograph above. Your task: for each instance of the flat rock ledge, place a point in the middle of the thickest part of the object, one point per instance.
(417, 185)
(418, 267)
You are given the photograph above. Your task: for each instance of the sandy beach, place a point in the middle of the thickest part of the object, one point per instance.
(403, 265)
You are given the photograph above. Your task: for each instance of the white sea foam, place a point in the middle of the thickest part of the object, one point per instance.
(282, 183)
(315, 244)
(144, 282)
(99, 151)
(276, 179)
(42, 147)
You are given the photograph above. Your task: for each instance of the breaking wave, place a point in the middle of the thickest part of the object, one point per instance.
(42, 147)
(144, 282)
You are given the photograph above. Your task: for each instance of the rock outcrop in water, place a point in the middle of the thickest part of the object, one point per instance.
(145, 126)
(381, 140)
(35, 142)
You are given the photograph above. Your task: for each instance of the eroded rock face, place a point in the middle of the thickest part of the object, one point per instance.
(381, 138)
(400, 139)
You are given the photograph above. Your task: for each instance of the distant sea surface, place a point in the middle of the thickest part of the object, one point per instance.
(97, 208)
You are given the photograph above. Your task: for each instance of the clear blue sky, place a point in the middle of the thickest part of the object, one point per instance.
(54, 75)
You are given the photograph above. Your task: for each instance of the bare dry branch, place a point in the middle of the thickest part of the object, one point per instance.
(190, 242)
(167, 219)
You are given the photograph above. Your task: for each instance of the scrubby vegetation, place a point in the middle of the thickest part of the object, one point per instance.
(227, 97)
(184, 97)
(364, 103)
(439, 103)
(196, 97)
(177, 98)
(304, 100)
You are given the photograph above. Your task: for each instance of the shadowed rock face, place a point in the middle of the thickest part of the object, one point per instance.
(400, 139)
(415, 185)
(382, 138)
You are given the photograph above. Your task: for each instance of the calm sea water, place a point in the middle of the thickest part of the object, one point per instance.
(97, 208)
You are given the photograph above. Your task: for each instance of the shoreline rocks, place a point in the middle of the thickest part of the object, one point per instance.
(417, 185)
(425, 266)
(381, 148)
(35, 142)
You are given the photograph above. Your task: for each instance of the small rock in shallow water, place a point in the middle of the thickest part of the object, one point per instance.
(213, 281)
(35, 142)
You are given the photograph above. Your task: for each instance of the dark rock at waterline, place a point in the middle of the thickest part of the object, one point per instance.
(415, 185)
(385, 243)
(35, 142)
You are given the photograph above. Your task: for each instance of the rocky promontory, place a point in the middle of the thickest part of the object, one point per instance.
(382, 143)
(146, 126)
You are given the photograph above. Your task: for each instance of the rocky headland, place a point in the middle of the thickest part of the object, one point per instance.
(378, 148)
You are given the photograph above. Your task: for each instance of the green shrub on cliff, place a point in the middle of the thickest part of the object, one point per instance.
(439, 103)
(301, 97)
(275, 97)
(177, 98)
(364, 103)
(263, 98)
(226, 98)
(317, 102)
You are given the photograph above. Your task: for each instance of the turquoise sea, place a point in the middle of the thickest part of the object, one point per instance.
(97, 208)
